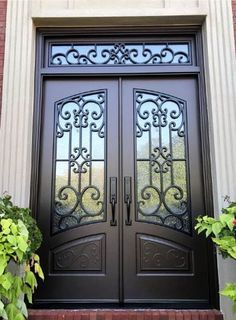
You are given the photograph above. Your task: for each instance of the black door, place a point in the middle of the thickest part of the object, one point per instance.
(120, 185)
(164, 260)
(79, 154)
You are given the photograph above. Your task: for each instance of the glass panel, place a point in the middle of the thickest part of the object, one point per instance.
(120, 53)
(80, 160)
(161, 164)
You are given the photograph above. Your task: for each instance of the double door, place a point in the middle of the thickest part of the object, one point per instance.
(120, 185)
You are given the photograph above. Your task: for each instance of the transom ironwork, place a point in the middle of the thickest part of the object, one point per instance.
(120, 53)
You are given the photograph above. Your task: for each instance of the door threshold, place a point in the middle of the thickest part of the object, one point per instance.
(124, 314)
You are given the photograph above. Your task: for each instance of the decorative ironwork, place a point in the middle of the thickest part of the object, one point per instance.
(161, 167)
(120, 53)
(79, 160)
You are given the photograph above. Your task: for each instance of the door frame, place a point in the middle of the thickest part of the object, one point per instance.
(43, 72)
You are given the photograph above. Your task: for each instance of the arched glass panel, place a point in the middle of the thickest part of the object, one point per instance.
(161, 163)
(79, 167)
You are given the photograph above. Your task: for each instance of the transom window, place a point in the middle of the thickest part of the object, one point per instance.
(119, 53)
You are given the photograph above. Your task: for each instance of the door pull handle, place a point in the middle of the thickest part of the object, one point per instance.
(128, 198)
(113, 200)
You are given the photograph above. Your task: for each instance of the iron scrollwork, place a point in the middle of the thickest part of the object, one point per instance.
(120, 54)
(161, 168)
(79, 160)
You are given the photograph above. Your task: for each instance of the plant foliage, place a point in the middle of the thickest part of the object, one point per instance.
(19, 239)
(223, 233)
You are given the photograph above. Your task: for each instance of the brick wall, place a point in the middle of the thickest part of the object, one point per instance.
(3, 9)
(234, 16)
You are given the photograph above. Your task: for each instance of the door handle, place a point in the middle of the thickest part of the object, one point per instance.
(113, 200)
(128, 198)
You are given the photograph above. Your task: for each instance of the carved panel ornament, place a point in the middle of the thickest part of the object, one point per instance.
(161, 53)
(161, 164)
(80, 255)
(160, 255)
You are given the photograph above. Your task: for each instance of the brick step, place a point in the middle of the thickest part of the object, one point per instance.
(124, 314)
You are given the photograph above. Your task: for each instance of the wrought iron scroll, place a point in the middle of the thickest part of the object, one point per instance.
(120, 53)
(161, 164)
(79, 160)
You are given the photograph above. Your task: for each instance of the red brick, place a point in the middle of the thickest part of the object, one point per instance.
(92, 315)
(211, 315)
(100, 316)
(195, 315)
(140, 315)
(125, 315)
(148, 316)
(156, 315)
(179, 315)
(69, 316)
(132, 316)
(164, 315)
(187, 315)
(109, 315)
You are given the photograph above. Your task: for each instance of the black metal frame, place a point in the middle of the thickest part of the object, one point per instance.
(191, 33)
(163, 168)
(72, 161)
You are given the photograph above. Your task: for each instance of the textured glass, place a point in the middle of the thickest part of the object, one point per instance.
(120, 53)
(80, 160)
(161, 164)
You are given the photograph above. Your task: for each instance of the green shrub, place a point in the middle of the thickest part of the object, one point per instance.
(19, 240)
(223, 233)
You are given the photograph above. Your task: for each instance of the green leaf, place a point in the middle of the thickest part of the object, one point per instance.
(231, 209)
(12, 239)
(3, 314)
(12, 311)
(208, 220)
(216, 228)
(208, 232)
(30, 279)
(28, 291)
(227, 220)
(232, 253)
(3, 263)
(36, 258)
(22, 244)
(19, 254)
(22, 307)
(229, 291)
(19, 316)
(2, 311)
(1, 306)
(39, 270)
(23, 229)
(6, 280)
(18, 286)
(6, 223)
(14, 229)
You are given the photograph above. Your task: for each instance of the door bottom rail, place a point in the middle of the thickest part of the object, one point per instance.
(124, 314)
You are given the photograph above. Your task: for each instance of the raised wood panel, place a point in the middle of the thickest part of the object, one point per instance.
(86, 254)
(160, 255)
